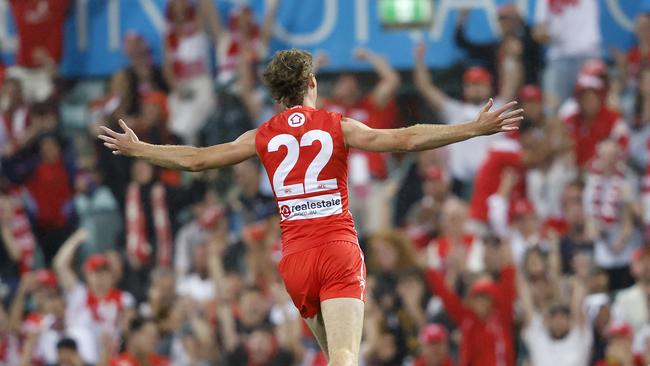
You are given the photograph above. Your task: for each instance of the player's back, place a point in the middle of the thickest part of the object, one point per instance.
(303, 151)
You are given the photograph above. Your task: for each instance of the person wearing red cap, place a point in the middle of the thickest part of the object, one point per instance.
(434, 346)
(608, 199)
(618, 351)
(594, 121)
(513, 29)
(486, 318)
(631, 304)
(93, 308)
(465, 157)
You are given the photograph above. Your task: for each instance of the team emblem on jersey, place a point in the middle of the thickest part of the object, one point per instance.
(296, 119)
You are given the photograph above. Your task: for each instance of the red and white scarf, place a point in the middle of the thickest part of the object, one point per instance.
(21, 230)
(605, 194)
(137, 243)
(15, 124)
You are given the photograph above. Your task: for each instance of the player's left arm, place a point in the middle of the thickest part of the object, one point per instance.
(427, 137)
(180, 157)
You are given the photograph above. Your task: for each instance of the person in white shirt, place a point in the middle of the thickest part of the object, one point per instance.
(631, 304)
(466, 157)
(561, 338)
(94, 308)
(571, 29)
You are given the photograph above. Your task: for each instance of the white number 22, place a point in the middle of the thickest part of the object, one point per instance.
(311, 183)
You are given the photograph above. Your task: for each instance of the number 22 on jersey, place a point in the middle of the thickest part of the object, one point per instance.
(310, 184)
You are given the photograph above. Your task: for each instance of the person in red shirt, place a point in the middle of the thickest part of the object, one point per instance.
(518, 151)
(305, 153)
(40, 43)
(486, 318)
(434, 346)
(141, 344)
(594, 121)
(40, 31)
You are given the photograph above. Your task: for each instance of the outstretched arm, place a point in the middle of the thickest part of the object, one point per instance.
(180, 157)
(427, 137)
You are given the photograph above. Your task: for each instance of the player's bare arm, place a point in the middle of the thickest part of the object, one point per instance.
(427, 137)
(180, 157)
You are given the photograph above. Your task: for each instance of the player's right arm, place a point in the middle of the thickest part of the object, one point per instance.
(427, 137)
(180, 157)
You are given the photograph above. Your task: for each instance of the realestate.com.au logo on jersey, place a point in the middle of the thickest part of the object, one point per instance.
(311, 207)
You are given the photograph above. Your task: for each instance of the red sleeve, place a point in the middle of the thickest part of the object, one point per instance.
(453, 305)
(507, 292)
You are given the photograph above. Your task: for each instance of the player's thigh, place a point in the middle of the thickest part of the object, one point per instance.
(317, 327)
(343, 318)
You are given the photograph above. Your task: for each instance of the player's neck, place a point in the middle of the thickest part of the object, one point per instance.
(309, 101)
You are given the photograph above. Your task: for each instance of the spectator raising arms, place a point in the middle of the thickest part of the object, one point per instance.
(486, 319)
(465, 157)
(95, 309)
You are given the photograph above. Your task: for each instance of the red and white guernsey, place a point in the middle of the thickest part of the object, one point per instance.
(305, 156)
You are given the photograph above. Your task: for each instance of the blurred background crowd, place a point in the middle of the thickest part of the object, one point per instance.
(530, 248)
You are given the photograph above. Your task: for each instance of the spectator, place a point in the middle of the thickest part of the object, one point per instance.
(434, 347)
(486, 319)
(141, 344)
(619, 346)
(608, 204)
(94, 309)
(40, 44)
(630, 305)
(576, 240)
(572, 32)
(16, 232)
(594, 121)
(640, 134)
(242, 33)
(508, 156)
(455, 243)
(15, 122)
(411, 189)
(143, 76)
(514, 33)
(638, 56)
(45, 323)
(48, 175)
(377, 109)
(465, 158)
(564, 337)
(67, 353)
(186, 67)
(423, 218)
(196, 284)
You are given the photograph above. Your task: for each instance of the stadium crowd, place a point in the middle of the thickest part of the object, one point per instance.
(531, 248)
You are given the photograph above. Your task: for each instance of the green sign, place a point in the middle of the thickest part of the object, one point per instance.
(405, 13)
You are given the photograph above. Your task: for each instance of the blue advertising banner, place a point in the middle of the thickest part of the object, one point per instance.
(95, 29)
